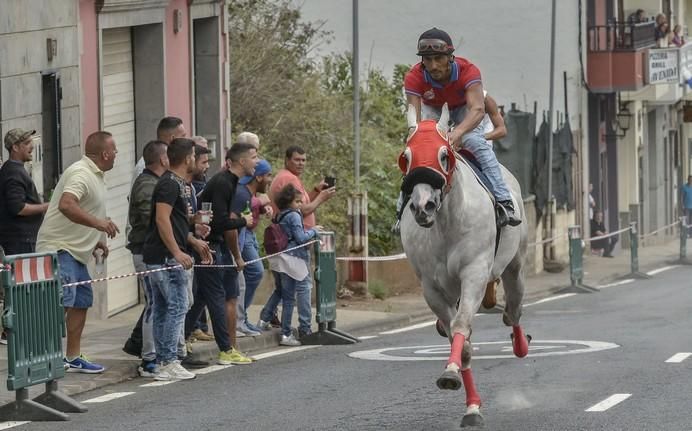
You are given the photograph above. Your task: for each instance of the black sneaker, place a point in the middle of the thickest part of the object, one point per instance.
(132, 348)
(193, 364)
(275, 322)
(3, 338)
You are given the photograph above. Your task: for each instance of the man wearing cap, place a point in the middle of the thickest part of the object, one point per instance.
(251, 192)
(21, 209)
(74, 227)
(441, 78)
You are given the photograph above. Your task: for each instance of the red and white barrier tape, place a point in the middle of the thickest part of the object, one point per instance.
(169, 268)
(659, 230)
(547, 240)
(399, 256)
(608, 235)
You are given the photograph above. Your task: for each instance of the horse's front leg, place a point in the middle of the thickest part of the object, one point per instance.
(459, 362)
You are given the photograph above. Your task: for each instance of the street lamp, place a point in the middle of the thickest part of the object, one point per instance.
(623, 119)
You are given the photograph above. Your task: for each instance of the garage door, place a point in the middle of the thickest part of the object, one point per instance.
(118, 118)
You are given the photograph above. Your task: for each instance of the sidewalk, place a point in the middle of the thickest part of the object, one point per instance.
(103, 339)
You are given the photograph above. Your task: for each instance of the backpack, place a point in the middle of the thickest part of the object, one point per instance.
(275, 239)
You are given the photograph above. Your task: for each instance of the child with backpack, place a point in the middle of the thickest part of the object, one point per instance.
(291, 269)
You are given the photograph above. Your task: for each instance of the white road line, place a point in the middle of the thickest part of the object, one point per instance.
(281, 352)
(12, 424)
(609, 402)
(409, 328)
(157, 383)
(659, 270)
(211, 369)
(678, 357)
(108, 397)
(550, 298)
(367, 337)
(617, 283)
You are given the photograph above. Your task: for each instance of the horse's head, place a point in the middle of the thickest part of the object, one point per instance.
(428, 165)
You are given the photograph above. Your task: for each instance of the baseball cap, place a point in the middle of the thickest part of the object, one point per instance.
(17, 136)
(263, 168)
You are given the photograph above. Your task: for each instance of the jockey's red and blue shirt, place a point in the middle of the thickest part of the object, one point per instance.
(418, 82)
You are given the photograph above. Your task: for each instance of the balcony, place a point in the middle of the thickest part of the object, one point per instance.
(617, 58)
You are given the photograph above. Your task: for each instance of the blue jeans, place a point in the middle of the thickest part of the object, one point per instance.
(253, 273)
(303, 289)
(73, 271)
(169, 289)
(475, 142)
(288, 300)
(148, 346)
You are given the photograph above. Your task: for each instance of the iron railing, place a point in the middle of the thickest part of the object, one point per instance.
(622, 36)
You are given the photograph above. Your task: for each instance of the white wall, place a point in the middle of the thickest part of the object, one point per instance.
(508, 40)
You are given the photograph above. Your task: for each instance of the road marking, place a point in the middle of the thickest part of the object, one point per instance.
(438, 352)
(211, 369)
(678, 357)
(617, 283)
(282, 351)
(609, 402)
(367, 337)
(12, 424)
(108, 397)
(659, 270)
(550, 298)
(409, 328)
(157, 383)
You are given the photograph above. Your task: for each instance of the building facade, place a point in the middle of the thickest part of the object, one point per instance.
(72, 67)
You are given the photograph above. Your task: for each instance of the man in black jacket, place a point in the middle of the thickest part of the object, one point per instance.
(217, 288)
(21, 209)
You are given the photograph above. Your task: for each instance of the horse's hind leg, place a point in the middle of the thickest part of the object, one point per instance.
(513, 283)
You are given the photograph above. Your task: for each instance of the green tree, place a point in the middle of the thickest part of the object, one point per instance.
(279, 92)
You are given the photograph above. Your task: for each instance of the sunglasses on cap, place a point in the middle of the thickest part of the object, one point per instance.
(434, 45)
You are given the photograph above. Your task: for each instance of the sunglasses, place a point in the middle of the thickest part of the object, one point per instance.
(435, 45)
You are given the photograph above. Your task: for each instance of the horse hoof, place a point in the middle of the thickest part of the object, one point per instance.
(440, 328)
(520, 345)
(449, 380)
(472, 420)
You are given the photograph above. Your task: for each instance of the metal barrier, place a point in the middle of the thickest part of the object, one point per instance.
(33, 318)
(576, 262)
(325, 282)
(684, 232)
(634, 253)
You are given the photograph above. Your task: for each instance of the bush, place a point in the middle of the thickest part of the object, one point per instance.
(378, 289)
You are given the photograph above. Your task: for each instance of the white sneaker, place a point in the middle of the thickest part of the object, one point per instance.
(289, 341)
(174, 371)
(265, 326)
(247, 331)
(239, 334)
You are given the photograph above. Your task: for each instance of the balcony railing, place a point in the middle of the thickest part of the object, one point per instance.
(622, 36)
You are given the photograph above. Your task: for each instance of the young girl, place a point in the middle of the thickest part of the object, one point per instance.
(677, 38)
(291, 269)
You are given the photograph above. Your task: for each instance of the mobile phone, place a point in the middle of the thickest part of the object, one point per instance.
(330, 181)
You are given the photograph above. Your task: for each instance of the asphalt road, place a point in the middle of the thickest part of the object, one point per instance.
(637, 327)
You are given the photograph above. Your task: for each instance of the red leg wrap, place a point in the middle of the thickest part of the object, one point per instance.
(457, 347)
(470, 388)
(520, 343)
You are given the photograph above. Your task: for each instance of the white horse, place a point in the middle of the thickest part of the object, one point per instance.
(449, 233)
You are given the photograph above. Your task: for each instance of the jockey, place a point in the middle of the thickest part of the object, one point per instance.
(442, 78)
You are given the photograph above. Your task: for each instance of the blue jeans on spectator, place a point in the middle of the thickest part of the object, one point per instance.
(302, 290)
(288, 300)
(252, 272)
(148, 347)
(169, 290)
